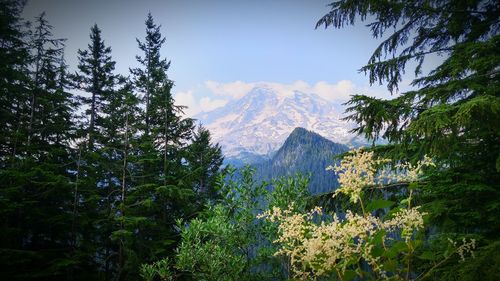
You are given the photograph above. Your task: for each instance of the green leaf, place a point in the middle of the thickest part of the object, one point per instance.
(428, 255)
(379, 204)
(378, 237)
(167, 242)
(389, 266)
(349, 275)
(396, 249)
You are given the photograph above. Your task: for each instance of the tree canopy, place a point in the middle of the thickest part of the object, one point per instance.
(452, 112)
(93, 179)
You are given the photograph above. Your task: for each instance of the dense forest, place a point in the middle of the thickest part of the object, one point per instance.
(306, 153)
(93, 182)
(103, 178)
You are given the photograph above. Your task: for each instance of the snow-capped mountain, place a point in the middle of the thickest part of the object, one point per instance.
(258, 123)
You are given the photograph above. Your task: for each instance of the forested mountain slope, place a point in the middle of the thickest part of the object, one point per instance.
(304, 152)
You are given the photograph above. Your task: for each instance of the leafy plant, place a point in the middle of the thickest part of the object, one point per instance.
(160, 269)
(211, 247)
(366, 244)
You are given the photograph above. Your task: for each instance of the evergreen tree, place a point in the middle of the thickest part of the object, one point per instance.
(14, 61)
(204, 160)
(98, 181)
(37, 191)
(118, 139)
(46, 57)
(151, 77)
(453, 114)
(161, 190)
(95, 77)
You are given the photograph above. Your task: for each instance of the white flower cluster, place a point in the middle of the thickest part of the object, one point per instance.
(465, 248)
(333, 247)
(407, 172)
(356, 171)
(317, 250)
(408, 220)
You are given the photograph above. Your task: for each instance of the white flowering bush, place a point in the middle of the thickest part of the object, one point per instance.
(377, 237)
(357, 244)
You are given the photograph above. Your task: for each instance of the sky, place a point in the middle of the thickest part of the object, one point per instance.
(219, 50)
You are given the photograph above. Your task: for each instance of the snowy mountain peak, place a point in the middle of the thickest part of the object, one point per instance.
(259, 122)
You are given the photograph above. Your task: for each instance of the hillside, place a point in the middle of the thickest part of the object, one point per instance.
(304, 152)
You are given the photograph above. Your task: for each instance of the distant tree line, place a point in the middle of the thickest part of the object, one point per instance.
(95, 167)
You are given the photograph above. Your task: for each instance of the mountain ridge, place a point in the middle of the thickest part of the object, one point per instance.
(256, 125)
(304, 152)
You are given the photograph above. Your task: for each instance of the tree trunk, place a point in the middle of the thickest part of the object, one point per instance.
(34, 91)
(121, 258)
(75, 199)
(92, 121)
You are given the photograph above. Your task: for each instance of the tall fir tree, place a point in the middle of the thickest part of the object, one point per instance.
(453, 114)
(205, 160)
(95, 197)
(38, 190)
(96, 78)
(162, 190)
(119, 138)
(14, 62)
(151, 77)
(46, 57)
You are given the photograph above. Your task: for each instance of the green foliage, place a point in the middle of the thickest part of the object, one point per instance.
(485, 264)
(304, 152)
(91, 198)
(288, 190)
(367, 243)
(158, 269)
(453, 111)
(376, 204)
(205, 161)
(210, 248)
(226, 242)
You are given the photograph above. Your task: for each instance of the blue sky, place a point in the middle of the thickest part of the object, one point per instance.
(220, 49)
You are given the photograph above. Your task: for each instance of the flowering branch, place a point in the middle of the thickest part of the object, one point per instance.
(340, 245)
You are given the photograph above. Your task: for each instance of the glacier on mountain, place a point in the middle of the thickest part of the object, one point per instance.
(259, 122)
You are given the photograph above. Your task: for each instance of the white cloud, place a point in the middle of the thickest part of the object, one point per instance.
(186, 99)
(196, 105)
(236, 89)
(340, 91)
(336, 92)
(208, 104)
